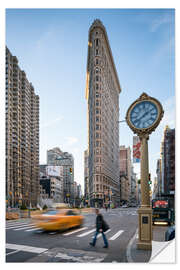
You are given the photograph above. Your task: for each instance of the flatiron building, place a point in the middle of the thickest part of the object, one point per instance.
(102, 94)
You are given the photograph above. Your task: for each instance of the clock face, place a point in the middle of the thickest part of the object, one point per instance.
(144, 114)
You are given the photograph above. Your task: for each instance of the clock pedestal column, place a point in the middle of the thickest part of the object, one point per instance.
(145, 212)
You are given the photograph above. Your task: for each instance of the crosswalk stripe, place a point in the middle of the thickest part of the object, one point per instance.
(19, 226)
(26, 248)
(35, 229)
(25, 227)
(78, 230)
(100, 234)
(116, 235)
(86, 233)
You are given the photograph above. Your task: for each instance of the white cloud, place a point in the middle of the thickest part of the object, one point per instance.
(71, 140)
(158, 22)
(169, 107)
(51, 123)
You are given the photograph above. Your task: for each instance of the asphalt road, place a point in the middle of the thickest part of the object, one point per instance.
(25, 243)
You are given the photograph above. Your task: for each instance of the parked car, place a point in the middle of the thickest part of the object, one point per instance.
(58, 220)
(170, 233)
(124, 206)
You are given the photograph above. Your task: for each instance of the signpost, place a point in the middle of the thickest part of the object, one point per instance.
(143, 116)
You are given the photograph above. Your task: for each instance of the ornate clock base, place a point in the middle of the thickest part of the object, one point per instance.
(145, 228)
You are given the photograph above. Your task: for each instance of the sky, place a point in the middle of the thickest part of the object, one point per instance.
(51, 46)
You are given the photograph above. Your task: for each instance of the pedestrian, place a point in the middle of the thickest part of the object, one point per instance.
(109, 205)
(106, 207)
(101, 227)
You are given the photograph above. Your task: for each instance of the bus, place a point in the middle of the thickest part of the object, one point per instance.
(163, 211)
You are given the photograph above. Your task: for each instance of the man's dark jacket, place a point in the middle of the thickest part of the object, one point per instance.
(101, 224)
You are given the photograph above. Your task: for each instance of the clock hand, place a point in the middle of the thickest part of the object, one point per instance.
(143, 115)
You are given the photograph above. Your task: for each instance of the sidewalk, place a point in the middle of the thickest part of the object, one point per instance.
(158, 245)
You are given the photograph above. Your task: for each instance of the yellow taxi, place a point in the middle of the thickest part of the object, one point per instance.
(54, 220)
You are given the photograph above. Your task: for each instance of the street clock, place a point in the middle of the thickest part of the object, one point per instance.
(144, 114)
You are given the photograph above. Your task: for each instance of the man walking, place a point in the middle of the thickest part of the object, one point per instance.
(101, 227)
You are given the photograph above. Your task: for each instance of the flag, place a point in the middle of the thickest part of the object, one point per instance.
(136, 149)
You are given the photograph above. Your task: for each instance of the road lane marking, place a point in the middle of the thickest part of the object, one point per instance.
(100, 234)
(19, 226)
(16, 251)
(86, 233)
(25, 227)
(116, 235)
(78, 230)
(16, 223)
(26, 248)
(35, 229)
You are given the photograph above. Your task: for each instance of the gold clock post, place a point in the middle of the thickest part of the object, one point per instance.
(145, 211)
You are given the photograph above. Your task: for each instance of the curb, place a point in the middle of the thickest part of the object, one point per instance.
(128, 251)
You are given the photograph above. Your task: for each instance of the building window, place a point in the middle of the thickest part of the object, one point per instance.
(97, 111)
(97, 143)
(97, 86)
(97, 127)
(97, 51)
(97, 42)
(97, 78)
(97, 135)
(97, 119)
(97, 62)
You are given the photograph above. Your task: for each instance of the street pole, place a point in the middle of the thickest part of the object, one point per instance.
(145, 211)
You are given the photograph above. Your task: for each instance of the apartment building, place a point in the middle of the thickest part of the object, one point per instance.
(102, 94)
(168, 161)
(56, 157)
(125, 172)
(22, 136)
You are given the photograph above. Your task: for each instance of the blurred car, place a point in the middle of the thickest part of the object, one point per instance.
(124, 206)
(54, 220)
(170, 233)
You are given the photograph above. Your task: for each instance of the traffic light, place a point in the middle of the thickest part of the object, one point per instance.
(70, 170)
(149, 180)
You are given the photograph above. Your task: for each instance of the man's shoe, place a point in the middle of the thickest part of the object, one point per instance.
(92, 244)
(105, 247)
